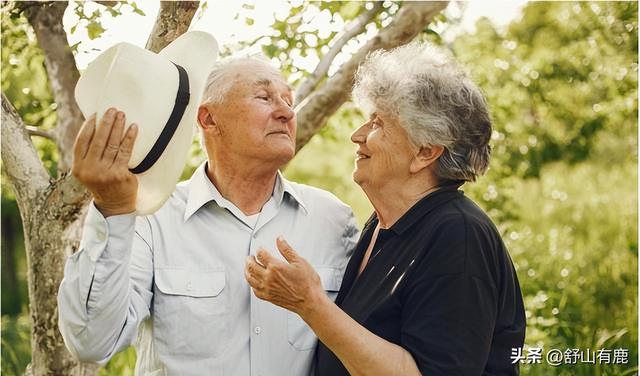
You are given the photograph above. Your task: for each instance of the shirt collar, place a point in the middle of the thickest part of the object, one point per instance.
(424, 206)
(285, 186)
(201, 191)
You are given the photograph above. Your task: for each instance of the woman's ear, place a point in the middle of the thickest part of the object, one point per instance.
(425, 157)
(206, 120)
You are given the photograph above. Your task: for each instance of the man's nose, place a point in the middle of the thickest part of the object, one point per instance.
(283, 111)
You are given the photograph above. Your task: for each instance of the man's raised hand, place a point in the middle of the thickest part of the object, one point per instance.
(100, 162)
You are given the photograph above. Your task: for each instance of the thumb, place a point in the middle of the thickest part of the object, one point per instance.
(285, 250)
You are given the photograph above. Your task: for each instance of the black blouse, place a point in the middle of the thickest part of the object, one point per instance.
(440, 284)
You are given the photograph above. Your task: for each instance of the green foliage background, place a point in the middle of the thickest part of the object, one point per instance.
(562, 86)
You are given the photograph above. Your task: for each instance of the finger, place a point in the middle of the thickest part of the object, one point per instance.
(83, 139)
(264, 257)
(126, 146)
(113, 144)
(253, 282)
(285, 249)
(103, 130)
(255, 269)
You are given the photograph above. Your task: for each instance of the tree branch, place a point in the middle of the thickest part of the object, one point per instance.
(174, 18)
(46, 20)
(356, 27)
(36, 131)
(410, 20)
(20, 160)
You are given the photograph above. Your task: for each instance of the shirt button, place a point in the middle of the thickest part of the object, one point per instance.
(189, 286)
(257, 330)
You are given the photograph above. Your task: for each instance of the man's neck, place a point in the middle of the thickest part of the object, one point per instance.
(248, 189)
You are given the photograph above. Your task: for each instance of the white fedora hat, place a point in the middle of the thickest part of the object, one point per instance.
(159, 92)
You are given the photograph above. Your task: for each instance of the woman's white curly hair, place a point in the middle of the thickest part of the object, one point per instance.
(435, 102)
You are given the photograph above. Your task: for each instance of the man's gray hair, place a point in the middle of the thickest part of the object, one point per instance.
(435, 102)
(226, 72)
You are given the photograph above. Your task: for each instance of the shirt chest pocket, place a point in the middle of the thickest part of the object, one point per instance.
(191, 312)
(300, 335)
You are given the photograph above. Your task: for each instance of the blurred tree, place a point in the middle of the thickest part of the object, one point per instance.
(52, 202)
(562, 83)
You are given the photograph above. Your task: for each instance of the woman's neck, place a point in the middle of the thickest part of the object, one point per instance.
(392, 201)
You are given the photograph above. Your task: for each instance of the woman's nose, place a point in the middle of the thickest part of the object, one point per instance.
(359, 135)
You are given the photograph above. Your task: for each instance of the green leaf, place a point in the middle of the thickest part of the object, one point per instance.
(136, 9)
(74, 47)
(95, 29)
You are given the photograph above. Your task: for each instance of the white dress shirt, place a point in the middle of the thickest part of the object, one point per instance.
(173, 282)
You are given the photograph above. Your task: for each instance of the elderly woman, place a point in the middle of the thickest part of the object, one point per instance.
(430, 288)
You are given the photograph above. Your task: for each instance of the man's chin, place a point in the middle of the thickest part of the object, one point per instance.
(283, 155)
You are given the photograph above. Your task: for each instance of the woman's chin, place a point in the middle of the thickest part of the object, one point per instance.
(357, 177)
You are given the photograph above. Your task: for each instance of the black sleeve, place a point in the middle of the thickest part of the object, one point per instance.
(448, 313)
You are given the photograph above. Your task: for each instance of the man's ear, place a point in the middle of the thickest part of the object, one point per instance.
(425, 157)
(206, 120)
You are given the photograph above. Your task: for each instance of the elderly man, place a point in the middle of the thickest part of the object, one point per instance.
(174, 280)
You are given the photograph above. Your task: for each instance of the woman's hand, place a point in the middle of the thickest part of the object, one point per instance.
(293, 284)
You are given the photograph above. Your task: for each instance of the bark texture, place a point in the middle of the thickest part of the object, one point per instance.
(46, 20)
(410, 20)
(174, 18)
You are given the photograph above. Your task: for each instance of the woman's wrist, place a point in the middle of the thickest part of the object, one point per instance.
(315, 305)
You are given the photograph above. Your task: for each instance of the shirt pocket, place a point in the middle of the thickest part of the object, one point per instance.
(300, 335)
(191, 312)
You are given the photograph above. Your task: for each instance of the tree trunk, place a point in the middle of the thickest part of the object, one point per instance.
(46, 20)
(48, 244)
(50, 212)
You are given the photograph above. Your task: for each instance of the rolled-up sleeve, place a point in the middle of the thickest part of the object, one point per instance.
(106, 290)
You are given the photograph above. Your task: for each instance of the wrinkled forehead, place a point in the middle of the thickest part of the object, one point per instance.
(258, 75)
